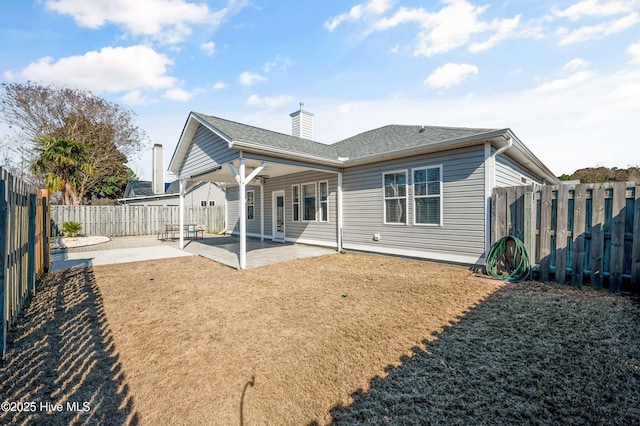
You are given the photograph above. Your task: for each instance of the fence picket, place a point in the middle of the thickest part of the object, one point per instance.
(617, 236)
(579, 230)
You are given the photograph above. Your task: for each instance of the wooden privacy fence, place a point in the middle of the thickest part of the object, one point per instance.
(113, 221)
(585, 233)
(24, 246)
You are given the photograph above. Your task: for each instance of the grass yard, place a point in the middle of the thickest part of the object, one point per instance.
(353, 339)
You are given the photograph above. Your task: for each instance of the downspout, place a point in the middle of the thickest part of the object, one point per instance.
(490, 183)
(261, 209)
(339, 214)
(181, 214)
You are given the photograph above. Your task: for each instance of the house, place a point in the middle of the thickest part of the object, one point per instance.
(158, 193)
(419, 191)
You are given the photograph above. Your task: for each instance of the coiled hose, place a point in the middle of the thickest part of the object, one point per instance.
(508, 260)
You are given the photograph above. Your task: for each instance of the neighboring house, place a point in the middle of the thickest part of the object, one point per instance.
(417, 191)
(158, 193)
(196, 194)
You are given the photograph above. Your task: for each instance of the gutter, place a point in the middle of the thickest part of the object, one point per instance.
(504, 148)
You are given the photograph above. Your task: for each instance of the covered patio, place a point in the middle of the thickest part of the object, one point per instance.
(295, 186)
(225, 250)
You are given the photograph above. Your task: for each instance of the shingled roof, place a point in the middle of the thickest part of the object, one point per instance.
(270, 139)
(372, 143)
(395, 137)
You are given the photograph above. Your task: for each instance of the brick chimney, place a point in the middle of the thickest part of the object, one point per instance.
(302, 123)
(157, 173)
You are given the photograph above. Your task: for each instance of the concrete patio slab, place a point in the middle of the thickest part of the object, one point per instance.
(65, 260)
(222, 249)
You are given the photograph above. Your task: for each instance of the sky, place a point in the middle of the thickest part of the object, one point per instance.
(563, 75)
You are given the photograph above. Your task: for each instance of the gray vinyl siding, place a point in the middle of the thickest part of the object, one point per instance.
(207, 151)
(322, 232)
(233, 203)
(510, 173)
(462, 232)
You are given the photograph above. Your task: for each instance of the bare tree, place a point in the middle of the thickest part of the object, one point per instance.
(107, 130)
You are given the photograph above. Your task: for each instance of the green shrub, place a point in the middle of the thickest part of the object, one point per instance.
(70, 229)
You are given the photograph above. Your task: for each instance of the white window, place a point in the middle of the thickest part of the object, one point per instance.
(295, 203)
(203, 203)
(309, 205)
(395, 197)
(323, 188)
(251, 195)
(212, 202)
(427, 196)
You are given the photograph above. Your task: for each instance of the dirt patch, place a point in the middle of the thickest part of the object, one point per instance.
(365, 339)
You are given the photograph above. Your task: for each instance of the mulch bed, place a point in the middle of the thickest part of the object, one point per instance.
(349, 339)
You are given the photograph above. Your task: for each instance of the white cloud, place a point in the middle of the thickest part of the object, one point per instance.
(248, 78)
(575, 64)
(177, 94)
(359, 11)
(167, 20)
(135, 97)
(596, 8)
(280, 62)
(209, 48)
(634, 52)
(269, 101)
(598, 31)
(563, 84)
(112, 69)
(504, 29)
(450, 75)
(452, 26)
(220, 85)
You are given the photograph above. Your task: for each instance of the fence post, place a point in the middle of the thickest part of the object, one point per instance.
(635, 251)
(31, 242)
(3, 263)
(561, 233)
(616, 263)
(597, 235)
(530, 224)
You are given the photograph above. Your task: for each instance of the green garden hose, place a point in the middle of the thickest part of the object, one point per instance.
(508, 260)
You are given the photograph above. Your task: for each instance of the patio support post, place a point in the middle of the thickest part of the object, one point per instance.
(243, 181)
(181, 214)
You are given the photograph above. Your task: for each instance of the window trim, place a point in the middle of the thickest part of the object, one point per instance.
(320, 202)
(441, 195)
(253, 191)
(406, 198)
(210, 203)
(205, 203)
(315, 219)
(295, 205)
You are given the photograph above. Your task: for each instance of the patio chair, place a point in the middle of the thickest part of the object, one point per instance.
(191, 231)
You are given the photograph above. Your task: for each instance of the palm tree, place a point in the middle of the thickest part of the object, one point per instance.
(62, 162)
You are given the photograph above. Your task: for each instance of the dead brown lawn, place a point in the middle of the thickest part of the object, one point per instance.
(351, 337)
(194, 338)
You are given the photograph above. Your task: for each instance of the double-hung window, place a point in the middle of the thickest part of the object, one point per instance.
(309, 204)
(323, 189)
(395, 197)
(251, 196)
(295, 202)
(427, 196)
